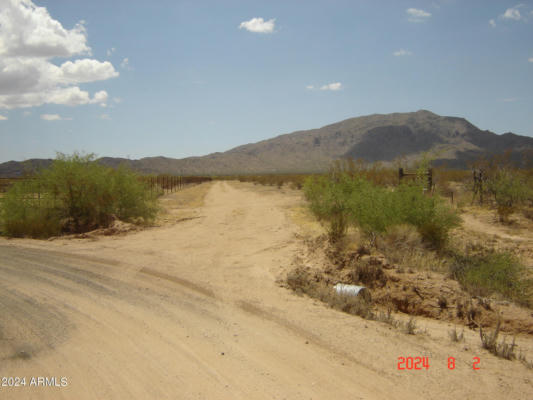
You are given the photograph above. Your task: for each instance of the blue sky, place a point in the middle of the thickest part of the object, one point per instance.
(185, 78)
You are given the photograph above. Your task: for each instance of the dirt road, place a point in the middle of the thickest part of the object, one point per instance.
(192, 310)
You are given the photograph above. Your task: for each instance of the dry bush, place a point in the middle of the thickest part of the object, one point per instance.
(387, 318)
(403, 245)
(299, 280)
(371, 275)
(466, 309)
(295, 181)
(354, 305)
(489, 341)
(403, 237)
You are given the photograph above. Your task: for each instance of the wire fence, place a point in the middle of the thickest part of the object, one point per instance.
(164, 183)
(172, 183)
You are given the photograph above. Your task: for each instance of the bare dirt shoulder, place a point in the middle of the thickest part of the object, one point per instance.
(482, 225)
(192, 309)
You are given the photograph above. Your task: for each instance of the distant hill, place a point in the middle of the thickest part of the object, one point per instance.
(379, 137)
(13, 169)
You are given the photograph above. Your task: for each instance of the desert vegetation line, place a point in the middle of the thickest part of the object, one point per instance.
(77, 194)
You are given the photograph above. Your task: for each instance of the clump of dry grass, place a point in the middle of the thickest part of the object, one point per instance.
(489, 341)
(408, 327)
(387, 318)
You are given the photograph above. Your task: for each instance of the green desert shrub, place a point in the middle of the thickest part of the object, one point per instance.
(342, 200)
(75, 194)
(328, 200)
(493, 272)
(372, 208)
(429, 214)
(510, 188)
(23, 213)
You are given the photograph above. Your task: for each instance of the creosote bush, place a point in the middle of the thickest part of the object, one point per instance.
(75, 194)
(342, 200)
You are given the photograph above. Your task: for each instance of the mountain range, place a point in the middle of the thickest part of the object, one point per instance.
(452, 141)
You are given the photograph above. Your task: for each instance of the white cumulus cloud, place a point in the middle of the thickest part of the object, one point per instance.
(87, 70)
(332, 86)
(73, 96)
(29, 39)
(259, 25)
(54, 117)
(3, 118)
(492, 23)
(417, 15)
(310, 87)
(530, 59)
(402, 52)
(512, 13)
(110, 51)
(27, 30)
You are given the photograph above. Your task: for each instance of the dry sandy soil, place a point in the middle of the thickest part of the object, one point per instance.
(191, 309)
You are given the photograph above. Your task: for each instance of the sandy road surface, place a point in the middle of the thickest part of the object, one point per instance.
(193, 311)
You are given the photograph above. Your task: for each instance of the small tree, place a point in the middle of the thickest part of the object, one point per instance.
(329, 202)
(75, 194)
(509, 188)
(372, 208)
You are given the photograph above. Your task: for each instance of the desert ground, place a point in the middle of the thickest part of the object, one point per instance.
(193, 309)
